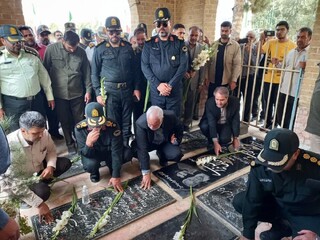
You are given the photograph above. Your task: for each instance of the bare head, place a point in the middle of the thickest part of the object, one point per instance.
(154, 117)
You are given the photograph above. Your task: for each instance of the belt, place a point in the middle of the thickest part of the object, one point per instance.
(116, 85)
(20, 98)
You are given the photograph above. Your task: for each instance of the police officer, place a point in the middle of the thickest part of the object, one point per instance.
(164, 62)
(96, 137)
(283, 189)
(86, 37)
(114, 77)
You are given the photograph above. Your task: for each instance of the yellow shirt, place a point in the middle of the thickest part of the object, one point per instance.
(275, 49)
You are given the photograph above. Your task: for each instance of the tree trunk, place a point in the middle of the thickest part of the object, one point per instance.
(237, 18)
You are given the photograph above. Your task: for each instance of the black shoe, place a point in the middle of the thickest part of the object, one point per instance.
(95, 178)
(277, 232)
(56, 136)
(186, 128)
(162, 161)
(72, 149)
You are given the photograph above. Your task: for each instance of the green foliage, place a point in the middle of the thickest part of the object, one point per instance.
(5, 123)
(298, 13)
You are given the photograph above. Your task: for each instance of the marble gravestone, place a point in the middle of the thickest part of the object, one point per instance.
(193, 140)
(220, 199)
(206, 227)
(135, 203)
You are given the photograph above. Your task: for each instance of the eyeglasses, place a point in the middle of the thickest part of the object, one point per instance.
(117, 32)
(164, 24)
(28, 35)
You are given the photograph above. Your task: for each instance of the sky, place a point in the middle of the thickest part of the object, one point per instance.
(55, 13)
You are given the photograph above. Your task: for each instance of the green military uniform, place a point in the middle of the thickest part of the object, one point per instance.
(107, 148)
(292, 194)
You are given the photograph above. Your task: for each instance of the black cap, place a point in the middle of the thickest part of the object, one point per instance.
(11, 33)
(69, 26)
(86, 33)
(162, 15)
(95, 115)
(43, 29)
(279, 146)
(113, 23)
(142, 25)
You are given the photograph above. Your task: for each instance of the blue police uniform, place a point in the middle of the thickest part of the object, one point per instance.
(118, 70)
(165, 62)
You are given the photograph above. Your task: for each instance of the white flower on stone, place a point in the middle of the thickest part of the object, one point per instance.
(104, 222)
(177, 236)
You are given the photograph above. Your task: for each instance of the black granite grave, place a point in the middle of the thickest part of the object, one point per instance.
(208, 228)
(193, 140)
(180, 176)
(134, 204)
(220, 199)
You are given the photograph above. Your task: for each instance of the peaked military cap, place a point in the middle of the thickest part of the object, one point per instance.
(279, 146)
(70, 26)
(11, 33)
(162, 15)
(43, 29)
(113, 23)
(142, 25)
(86, 33)
(95, 115)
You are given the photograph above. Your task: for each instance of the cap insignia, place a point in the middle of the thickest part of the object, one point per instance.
(113, 22)
(313, 159)
(160, 14)
(13, 31)
(94, 113)
(274, 145)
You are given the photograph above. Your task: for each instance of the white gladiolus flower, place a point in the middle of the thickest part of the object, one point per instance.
(177, 236)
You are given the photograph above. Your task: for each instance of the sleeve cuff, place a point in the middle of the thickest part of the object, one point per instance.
(145, 172)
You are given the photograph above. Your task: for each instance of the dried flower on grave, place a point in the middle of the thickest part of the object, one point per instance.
(192, 210)
(106, 215)
(66, 215)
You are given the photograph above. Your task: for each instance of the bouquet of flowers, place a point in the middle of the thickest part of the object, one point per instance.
(204, 56)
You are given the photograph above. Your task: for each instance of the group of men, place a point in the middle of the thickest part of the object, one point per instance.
(69, 72)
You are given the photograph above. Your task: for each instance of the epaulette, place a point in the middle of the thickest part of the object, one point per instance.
(31, 51)
(101, 43)
(82, 124)
(91, 45)
(313, 159)
(124, 43)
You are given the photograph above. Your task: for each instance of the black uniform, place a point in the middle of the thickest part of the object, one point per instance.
(118, 70)
(293, 195)
(108, 148)
(165, 62)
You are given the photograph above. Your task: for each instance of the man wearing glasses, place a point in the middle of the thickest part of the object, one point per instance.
(164, 62)
(21, 77)
(113, 76)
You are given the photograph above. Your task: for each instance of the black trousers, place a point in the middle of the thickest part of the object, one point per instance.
(53, 122)
(271, 212)
(188, 103)
(224, 131)
(92, 165)
(287, 111)
(272, 101)
(42, 188)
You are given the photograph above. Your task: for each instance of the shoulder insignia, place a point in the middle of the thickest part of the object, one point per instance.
(252, 163)
(91, 45)
(117, 133)
(184, 48)
(82, 124)
(110, 124)
(31, 51)
(313, 159)
(108, 45)
(171, 39)
(306, 156)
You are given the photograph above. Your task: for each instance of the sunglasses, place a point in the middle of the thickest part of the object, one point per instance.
(111, 32)
(164, 24)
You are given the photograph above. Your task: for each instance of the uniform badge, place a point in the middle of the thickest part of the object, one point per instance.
(274, 145)
(13, 31)
(306, 156)
(94, 113)
(313, 159)
(173, 58)
(108, 45)
(113, 22)
(117, 133)
(160, 14)
(184, 48)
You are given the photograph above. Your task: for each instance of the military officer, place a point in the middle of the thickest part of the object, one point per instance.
(283, 189)
(96, 137)
(113, 77)
(164, 62)
(86, 37)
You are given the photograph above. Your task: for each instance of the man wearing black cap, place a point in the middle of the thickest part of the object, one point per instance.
(113, 65)
(164, 62)
(43, 33)
(21, 77)
(70, 26)
(85, 38)
(99, 139)
(283, 189)
(144, 27)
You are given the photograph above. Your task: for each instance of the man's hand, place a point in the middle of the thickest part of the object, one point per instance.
(47, 173)
(137, 94)
(87, 98)
(187, 75)
(100, 101)
(236, 144)
(10, 230)
(93, 137)
(217, 148)
(306, 235)
(206, 40)
(232, 85)
(192, 73)
(51, 104)
(146, 181)
(116, 183)
(44, 213)
(2, 113)
(164, 89)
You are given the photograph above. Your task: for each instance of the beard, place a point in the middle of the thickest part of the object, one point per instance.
(163, 34)
(115, 40)
(45, 41)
